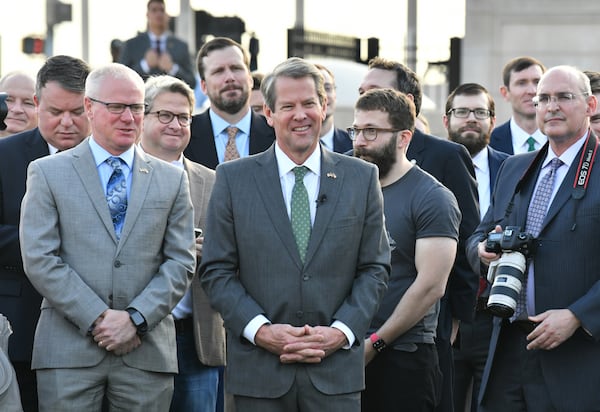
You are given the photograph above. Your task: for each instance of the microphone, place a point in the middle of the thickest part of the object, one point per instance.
(321, 199)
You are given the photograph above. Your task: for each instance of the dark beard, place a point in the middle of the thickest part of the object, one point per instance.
(231, 106)
(473, 145)
(384, 157)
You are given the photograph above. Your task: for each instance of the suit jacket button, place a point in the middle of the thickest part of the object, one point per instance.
(299, 314)
(117, 263)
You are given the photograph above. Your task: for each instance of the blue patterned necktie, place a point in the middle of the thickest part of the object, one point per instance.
(300, 212)
(116, 194)
(535, 218)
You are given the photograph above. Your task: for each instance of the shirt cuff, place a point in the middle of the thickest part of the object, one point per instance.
(144, 66)
(174, 69)
(253, 326)
(346, 331)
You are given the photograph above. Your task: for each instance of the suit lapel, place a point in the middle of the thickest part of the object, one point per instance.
(416, 147)
(36, 146)
(85, 166)
(564, 192)
(331, 182)
(269, 188)
(141, 176)
(197, 191)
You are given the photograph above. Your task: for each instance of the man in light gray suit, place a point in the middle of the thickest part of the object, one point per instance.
(199, 328)
(109, 282)
(296, 296)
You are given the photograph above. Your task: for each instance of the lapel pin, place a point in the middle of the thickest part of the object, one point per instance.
(143, 170)
(331, 175)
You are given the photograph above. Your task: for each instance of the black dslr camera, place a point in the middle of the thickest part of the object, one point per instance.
(507, 274)
(3, 110)
(510, 240)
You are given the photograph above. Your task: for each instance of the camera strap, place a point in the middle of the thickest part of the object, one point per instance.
(584, 169)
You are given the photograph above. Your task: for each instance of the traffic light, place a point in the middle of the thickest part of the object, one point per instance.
(57, 12)
(33, 45)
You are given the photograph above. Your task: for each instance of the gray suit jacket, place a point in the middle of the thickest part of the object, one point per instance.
(71, 255)
(209, 333)
(251, 266)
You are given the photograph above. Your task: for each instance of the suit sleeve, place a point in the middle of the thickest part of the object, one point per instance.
(186, 70)
(178, 261)
(41, 244)
(220, 261)
(129, 58)
(463, 281)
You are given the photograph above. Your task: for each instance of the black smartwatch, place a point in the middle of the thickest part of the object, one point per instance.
(378, 344)
(138, 321)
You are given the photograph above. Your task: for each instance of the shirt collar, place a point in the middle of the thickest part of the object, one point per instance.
(219, 124)
(520, 136)
(178, 162)
(286, 165)
(100, 154)
(327, 139)
(569, 155)
(480, 160)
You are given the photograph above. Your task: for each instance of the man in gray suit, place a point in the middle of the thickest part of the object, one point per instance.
(297, 270)
(199, 328)
(158, 51)
(110, 276)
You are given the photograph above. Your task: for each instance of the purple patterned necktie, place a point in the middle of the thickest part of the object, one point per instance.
(116, 194)
(535, 217)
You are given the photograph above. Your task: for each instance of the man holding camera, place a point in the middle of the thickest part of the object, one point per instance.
(545, 356)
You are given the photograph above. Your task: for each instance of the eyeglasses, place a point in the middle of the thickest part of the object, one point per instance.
(543, 100)
(166, 117)
(369, 133)
(118, 108)
(463, 113)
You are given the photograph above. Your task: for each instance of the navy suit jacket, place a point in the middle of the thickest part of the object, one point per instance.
(19, 301)
(451, 164)
(495, 159)
(567, 275)
(501, 138)
(135, 48)
(201, 148)
(341, 141)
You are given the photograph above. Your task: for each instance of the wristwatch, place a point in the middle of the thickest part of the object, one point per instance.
(138, 321)
(378, 343)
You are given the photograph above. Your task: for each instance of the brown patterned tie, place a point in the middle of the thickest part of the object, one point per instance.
(231, 151)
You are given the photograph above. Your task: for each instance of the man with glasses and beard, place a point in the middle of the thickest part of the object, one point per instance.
(229, 129)
(422, 219)
(469, 120)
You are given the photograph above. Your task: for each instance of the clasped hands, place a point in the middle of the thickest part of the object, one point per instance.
(303, 344)
(163, 60)
(114, 332)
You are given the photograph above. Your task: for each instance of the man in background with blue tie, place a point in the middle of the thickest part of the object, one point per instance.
(546, 356)
(157, 50)
(107, 238)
